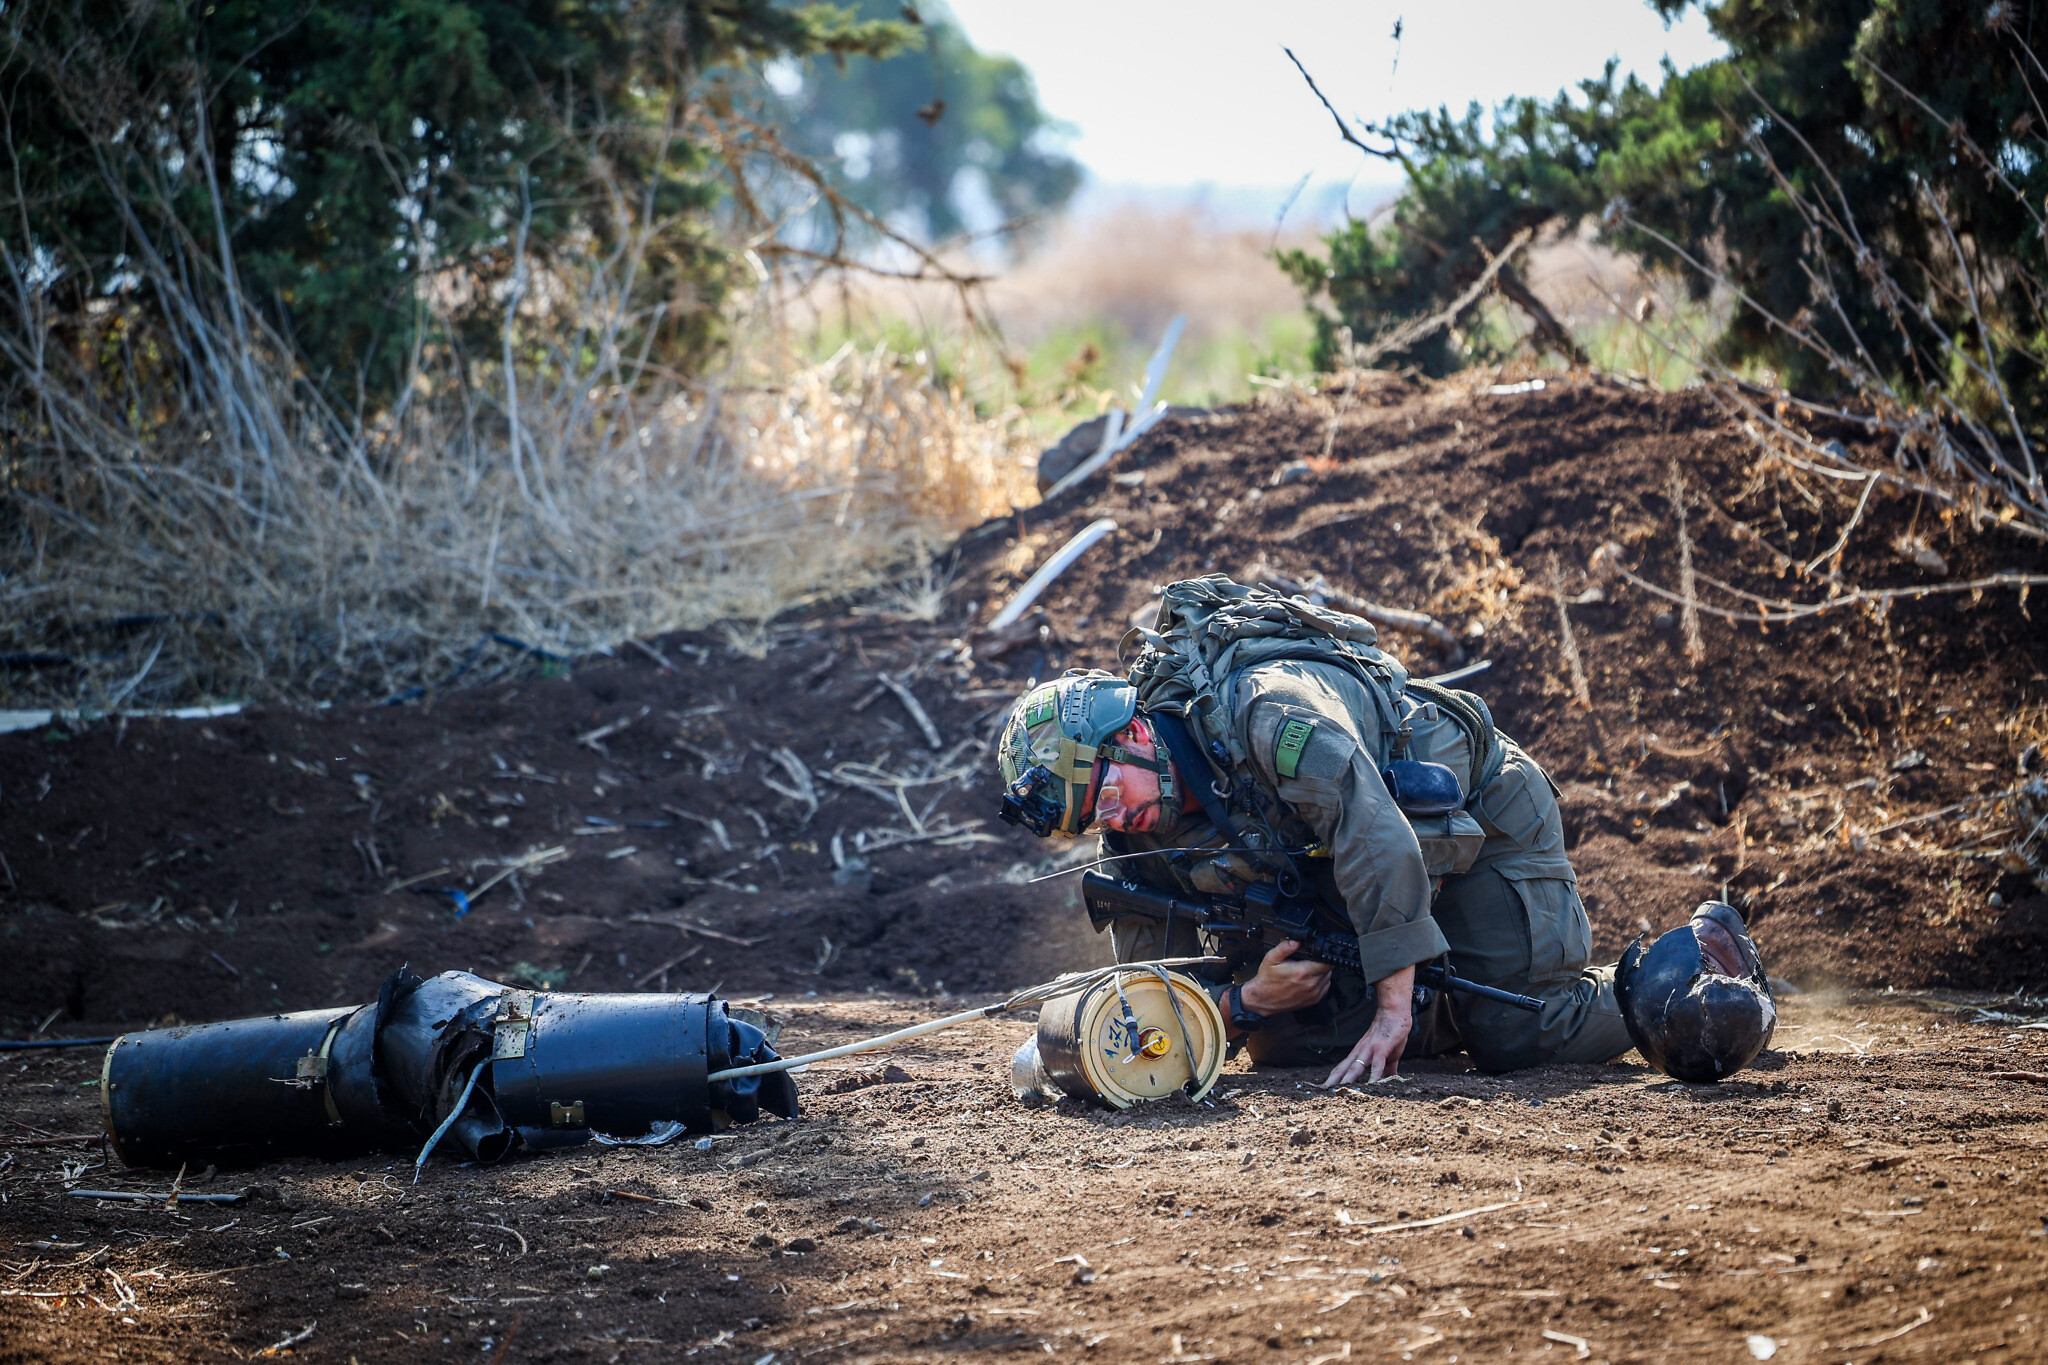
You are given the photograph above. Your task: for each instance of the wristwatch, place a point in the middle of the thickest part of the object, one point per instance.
(1240, 1017)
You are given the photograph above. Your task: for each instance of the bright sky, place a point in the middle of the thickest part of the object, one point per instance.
(1178, 93)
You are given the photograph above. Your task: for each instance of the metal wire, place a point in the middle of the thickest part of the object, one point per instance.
(1030, 995)
(448, 1122)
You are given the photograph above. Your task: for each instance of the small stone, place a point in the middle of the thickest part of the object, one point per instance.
(802, 1246)
(1665, 620)
(1292, 472)
(351, 1291)
(1467, 1233)
(596, 1272)
(917, 1142)
(755, 1210)
(1300, 1137)
(762, 1241)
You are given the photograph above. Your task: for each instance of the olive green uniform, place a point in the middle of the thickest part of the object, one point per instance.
(1492, 888)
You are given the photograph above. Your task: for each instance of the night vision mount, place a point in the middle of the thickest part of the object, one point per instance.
(1033, 801)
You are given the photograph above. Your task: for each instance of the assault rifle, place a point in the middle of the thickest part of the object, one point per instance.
(1243, 927)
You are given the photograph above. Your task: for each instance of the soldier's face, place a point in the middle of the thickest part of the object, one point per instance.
(1127, 797)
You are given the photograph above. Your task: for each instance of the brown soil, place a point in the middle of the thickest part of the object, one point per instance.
(202, 870)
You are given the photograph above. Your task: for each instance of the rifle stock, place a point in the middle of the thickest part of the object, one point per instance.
(1244, 927)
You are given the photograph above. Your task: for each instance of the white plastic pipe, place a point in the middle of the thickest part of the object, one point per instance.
(1050, 570)
(1119, 434)
(1112, 442)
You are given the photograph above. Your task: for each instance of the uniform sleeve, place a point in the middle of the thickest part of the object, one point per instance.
(1316, 764)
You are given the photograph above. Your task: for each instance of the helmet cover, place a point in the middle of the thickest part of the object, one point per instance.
(1061, 726)
(1697, 1001)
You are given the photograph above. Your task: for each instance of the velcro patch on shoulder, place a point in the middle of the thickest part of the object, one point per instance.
(1043, 706)
(1294, 737)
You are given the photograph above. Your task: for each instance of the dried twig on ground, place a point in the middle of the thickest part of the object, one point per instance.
(678, 960)
(803, 790)
(915, 708)
(710, 822)
(1567, 641)
(1689, 615)
(594, 739)
(1773, 611)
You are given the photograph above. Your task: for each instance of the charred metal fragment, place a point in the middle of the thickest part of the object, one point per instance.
(1697, 1001)
(556, 1069)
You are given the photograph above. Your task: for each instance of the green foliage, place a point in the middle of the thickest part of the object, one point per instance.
(1914, 127)
(1472, 183)
(908, 133)
(336, 156)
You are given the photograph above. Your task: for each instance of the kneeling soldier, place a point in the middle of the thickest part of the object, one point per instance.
(1260, 740)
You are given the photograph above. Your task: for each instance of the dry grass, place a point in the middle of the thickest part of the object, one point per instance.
(240, 540)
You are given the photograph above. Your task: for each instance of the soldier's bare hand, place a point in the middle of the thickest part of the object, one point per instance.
(1285, 982)
(1378, 1053)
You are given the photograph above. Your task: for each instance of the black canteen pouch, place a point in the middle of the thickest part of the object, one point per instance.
(1423, 788)
(1430, 796)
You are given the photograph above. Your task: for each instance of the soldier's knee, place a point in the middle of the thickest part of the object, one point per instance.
(1505, 1039)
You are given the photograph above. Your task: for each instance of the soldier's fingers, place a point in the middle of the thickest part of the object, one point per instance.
(1280, 952)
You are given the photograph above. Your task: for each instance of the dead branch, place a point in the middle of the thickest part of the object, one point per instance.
(1317, 590)
(1776, 611)
(1408, 333)
(1567, 640)
(1695, 648)
(1392, 152)
(915, 708)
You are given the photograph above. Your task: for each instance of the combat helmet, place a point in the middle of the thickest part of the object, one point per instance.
(1049, 748)
(1697, 1001)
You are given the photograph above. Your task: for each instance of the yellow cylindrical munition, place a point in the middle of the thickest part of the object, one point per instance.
(1134, 1036)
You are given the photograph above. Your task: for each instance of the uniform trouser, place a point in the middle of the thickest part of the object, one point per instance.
(1529, 935)
(1526, 935)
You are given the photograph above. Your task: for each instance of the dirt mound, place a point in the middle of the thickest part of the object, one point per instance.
(1785, 768)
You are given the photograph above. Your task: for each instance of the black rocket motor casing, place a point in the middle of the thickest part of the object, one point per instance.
(247, 1089)
(382, 1077)
(613, 1063)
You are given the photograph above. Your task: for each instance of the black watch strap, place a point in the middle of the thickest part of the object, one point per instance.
(1240, 1017)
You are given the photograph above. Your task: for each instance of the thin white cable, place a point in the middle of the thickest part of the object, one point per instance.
(1030, 995)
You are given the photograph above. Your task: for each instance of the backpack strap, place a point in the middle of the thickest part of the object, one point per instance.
(1194, 768)
(1471, 713)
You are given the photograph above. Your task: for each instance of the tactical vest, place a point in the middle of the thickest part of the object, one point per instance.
(1210, 630)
